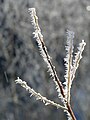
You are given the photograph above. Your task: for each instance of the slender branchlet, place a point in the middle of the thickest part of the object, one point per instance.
(44, 53)
(77, 59)
(70, 64)
(38, 96)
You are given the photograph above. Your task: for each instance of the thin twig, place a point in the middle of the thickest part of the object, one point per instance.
(43, 51)
(38, 96)
(68, 63)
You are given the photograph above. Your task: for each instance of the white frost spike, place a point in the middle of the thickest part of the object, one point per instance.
(47, 103)
(68, 63)
(77, 59)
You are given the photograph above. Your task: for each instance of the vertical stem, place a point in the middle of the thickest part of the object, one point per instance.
(71, 112)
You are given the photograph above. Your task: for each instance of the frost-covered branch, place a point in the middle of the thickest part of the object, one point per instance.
(78, 57)
(68, 64)
(38, 96)
(44, 53)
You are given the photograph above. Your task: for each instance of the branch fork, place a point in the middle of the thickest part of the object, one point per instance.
(71, 65)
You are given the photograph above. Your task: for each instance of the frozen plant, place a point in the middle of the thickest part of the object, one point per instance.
(71, 65)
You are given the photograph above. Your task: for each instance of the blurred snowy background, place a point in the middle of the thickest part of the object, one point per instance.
(19, 56)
